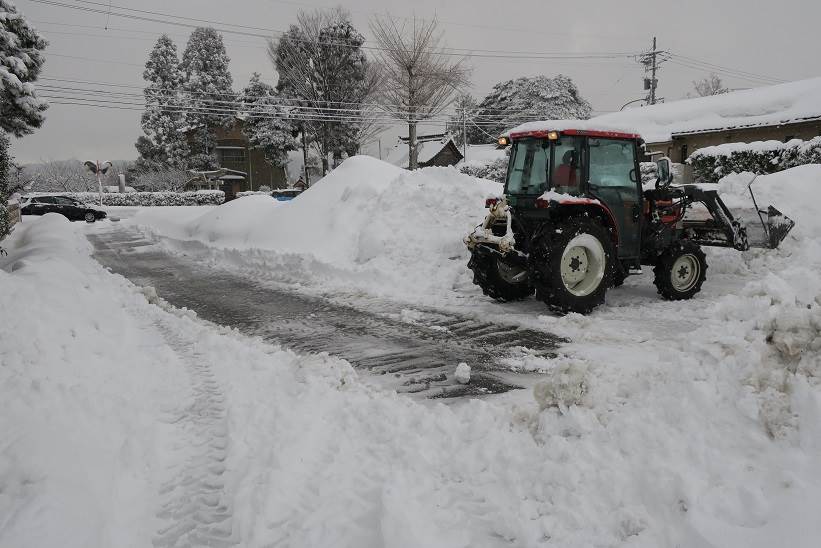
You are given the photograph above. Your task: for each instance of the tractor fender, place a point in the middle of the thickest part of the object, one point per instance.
(571, 207)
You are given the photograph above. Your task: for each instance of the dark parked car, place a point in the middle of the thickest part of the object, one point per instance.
(71, 208)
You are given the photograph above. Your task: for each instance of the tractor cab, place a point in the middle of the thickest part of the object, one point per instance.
(595, 171)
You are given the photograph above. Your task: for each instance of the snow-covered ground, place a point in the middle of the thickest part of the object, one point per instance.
(126, 421)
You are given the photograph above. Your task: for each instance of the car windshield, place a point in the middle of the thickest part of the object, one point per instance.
(537, 165)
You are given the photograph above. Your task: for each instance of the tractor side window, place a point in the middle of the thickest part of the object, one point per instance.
(528, 167)
(566, 172)
(612, 162)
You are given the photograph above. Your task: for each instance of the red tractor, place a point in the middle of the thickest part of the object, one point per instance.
(574, 221)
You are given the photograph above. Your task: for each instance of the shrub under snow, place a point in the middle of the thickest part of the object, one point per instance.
(762, 157)
(195, 198)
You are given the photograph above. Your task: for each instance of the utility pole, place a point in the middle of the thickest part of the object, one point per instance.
(305, 157)
(651, 61)
(653, 81)
(465, 134)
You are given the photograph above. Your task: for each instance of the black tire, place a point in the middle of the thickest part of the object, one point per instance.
(489, 274)
(680, 271)
(90, 217)
(598, 266)
(618, 277)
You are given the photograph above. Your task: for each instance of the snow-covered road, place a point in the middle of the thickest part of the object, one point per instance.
(414, 351)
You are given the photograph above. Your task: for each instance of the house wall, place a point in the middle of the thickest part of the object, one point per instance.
(683, 145)
(260, 172)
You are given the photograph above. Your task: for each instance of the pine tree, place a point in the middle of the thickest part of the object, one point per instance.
(21, 59)
(530, 98)
(266, 122)
(164, 144)
(208, 95)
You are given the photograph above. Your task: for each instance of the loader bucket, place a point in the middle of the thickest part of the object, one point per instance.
(774, 225)
(777, 226)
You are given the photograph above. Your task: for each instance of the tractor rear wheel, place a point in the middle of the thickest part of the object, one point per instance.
(680, 271)
(574, 265)
(499, 279)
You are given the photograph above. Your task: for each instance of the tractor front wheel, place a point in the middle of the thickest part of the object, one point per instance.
(575, 266)
(498, 278)
(680, 271)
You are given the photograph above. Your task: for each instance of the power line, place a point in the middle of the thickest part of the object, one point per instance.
(247, 30)
(691, 62)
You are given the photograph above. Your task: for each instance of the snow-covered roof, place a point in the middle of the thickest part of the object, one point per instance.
(771, 105)
(482, 155)
(428, 148)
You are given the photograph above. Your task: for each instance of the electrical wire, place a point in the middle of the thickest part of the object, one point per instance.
(247, 30)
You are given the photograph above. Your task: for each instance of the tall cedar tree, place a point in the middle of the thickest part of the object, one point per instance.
(21, 59)
(21, 111)
(266, 122)
(207, 94)
(322, 66)
(5, 173)
(163, 144)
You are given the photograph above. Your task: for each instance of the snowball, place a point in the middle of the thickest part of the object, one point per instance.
(564, 386)
(462, 374)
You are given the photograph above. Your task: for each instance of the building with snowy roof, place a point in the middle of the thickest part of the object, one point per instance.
(246, 166)
(678, 128)
(434, 150)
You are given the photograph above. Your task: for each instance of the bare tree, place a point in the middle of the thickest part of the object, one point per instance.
(162, 180)
(420, 78)
(59, 176)
(711, 85)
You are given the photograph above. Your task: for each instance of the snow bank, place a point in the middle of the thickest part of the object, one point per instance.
(369, 222)
(76, 394)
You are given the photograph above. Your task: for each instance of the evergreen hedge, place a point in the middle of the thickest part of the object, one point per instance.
(135, 199)
(712, 163)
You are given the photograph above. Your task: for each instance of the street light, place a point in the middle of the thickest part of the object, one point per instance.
(631, 102)
(99, 169)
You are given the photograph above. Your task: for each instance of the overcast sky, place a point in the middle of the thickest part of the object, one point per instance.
(773, 40)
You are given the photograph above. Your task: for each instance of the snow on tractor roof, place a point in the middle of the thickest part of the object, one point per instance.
(568, 126)
(771, 105)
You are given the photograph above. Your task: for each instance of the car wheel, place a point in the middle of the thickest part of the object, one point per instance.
(90, 217)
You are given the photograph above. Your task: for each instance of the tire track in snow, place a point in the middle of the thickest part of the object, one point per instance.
(416, 357)
(196, 509)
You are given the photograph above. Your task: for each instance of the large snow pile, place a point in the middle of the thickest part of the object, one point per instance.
(770, 105)
(367, 223)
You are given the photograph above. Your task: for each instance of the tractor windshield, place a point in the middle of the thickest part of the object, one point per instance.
(537, 165)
